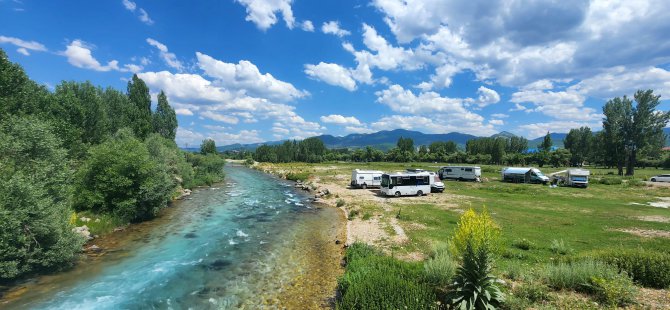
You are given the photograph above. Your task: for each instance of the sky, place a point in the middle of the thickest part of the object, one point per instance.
(247, 71)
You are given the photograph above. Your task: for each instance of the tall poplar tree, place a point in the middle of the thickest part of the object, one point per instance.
(165, 119)
(138, 93)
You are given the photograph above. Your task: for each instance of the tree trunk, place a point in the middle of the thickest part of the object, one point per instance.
(630, 169)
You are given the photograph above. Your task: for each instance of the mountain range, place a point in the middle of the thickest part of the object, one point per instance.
(387, 139)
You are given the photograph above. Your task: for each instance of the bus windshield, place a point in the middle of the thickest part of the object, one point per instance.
(385, 180)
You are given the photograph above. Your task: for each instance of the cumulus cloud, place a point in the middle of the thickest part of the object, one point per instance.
(245, 76)
(340, 120)
(307, 26)
(263, 13)
(332, 74)
(333, 27)
(220, 117)
(23, 46)
(169, 58)
(487, 96)
(535, 130)
(79, 54)
(439, 123)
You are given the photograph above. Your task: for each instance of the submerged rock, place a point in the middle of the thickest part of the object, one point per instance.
(190, 235)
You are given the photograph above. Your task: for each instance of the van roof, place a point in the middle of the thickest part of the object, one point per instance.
(367, 171)
(408, 174)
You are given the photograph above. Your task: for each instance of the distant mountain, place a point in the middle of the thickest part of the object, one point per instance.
(387, 139)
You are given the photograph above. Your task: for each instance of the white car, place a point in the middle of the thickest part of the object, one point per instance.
(661, 178)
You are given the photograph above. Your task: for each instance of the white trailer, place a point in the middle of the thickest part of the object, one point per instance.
(460, 173)
(366, 178)
(406, 183)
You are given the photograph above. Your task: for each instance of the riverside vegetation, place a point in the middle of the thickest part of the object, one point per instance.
(604, 246)
(79, 155)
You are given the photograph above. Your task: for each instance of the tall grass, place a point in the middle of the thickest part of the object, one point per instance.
(577, 275)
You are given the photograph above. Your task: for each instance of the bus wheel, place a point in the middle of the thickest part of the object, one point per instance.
(419, 193)
(460, 179)
(365, 186)
(397, 194)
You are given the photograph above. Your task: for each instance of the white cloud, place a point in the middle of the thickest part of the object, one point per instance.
(169, 58)
(487, 96)
(496, 122)
(439, 123)
(183, 111)
(23, 46)
(499, 115)
(79, 54)
(332, 74)
(307, 26)
(358, 129)
(263, 13)
(143, 15)
(534, 130)
(333, 27)
(558, 105)
(340, 120)
(188, 138)
(130, 6)
(619, 81)
(220, 117)
(405, 101)
(245, 76)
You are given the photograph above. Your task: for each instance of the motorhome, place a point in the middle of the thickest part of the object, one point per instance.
(524, 175)
(406, 183)
(577, 177)
(460, 173)
(366, 178)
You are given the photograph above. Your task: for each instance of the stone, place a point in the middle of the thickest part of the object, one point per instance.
(338, 241)
(94, 248)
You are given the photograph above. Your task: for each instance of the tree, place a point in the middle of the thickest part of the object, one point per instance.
(406, 144)
(560, 158)
(645, 126)
(165, 119)
(18, 94)
(517, 145)
(35, 234)
(617, 113)
(120, 177)
(580, 143)
(208, 146)
(139, 96)
(546, 143)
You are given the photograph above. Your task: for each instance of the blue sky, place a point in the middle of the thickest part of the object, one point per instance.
(244, 71)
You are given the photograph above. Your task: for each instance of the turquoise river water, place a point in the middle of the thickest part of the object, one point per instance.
(248, 244)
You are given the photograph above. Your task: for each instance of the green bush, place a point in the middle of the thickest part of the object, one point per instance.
(515, 271)
(339, 203)
(375, 281)
(474, 287)
(559, 247)
(533, 292)
(121, 178)
(440, 270)
(636, 183)
(300, 176)
(439, 248)
(353, 214)
(610, 181)
(577, 275)
(208, 169)
(647, 267)
(616, 291)
(523, 244)
(366, 216)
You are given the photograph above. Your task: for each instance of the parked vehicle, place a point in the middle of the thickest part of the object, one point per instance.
(571, 177)
(661, 178)
(406, 183)
(366, 178)
(437, 186)
(460, 173)
(523, 175)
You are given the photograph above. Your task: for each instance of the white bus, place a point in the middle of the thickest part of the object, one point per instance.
(460, 173)
(366, 178)
(406, 183)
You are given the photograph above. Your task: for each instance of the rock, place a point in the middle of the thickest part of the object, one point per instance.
(83, 231)
(85, 219)
(94, 248)
(343, 263)
(119, 229)
(338, 241)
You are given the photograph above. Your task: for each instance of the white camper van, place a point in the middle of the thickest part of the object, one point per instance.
(406, 183)
(577, 178)
(461, 173)
(366, 178)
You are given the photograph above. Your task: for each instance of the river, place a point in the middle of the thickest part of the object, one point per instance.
(254, 242)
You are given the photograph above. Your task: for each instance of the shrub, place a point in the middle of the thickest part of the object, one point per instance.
(300, 176)
(474, 286)
(532, 291)
(577, 275)
(647, 267)
(353, 214)
(559, 247)
(610, 181)
(439, 248)
(616, 291)
(516, 271)
(440, 269)
(478, 229)
(636, 183)
(340, 203)
(523, 244)
(375, 281)
(366, 216)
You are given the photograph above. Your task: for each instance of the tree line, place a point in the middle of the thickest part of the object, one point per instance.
(82, 148)
(632, 136)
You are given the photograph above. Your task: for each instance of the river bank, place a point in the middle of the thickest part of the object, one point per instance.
(253, 242)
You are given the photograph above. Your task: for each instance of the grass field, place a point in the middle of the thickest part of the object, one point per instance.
(585, 220)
